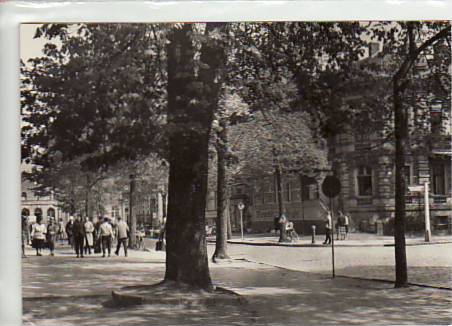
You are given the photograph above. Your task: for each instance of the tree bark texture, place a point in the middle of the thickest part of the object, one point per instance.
(281, 210)
(228, 218)
(132, 215)
(400, 82)
(400, 122)
(222, 193)
(189, 124)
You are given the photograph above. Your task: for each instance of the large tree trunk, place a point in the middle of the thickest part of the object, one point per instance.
(222, 193)
(191, 104)
(400, 121)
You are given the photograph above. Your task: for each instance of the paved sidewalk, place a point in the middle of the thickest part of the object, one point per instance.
(64, 290)
(353, 240)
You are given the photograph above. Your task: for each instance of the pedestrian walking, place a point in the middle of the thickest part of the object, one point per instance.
(122, 232)
(106, 233)
(38, 234)
(25, 235)
(346, 223)
(61, 235)
(89, 237)
(328, 227)
(69, 231)
(97, 236)
(52, 231)
(78, 234)
(338, 226)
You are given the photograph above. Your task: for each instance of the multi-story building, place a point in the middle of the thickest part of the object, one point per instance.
(364, 163)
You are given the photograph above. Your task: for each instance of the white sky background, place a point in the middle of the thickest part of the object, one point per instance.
(30, 47)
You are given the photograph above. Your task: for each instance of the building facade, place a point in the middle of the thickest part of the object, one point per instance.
(33, 205)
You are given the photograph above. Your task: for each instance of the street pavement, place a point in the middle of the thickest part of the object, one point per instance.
(281, 285)
(370, 257)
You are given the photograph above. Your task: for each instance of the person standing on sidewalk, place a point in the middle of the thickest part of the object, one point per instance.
(328, 227)
(52, 231)
(61, 235)
(78, 233)
(38, 234)
(69, 231)
(106, 232)
(89, 238)
(122, 230)
(346, 223)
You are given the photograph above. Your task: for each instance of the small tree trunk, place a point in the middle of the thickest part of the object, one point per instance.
(400, 121)
(222, 193)
(87, 203)
(281, 209)
(132, 216)
(228, 218)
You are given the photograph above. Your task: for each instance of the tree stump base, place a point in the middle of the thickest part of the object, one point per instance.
(168, 293)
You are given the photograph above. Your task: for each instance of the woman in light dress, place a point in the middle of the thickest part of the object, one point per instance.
(38, 234)
(89, 238)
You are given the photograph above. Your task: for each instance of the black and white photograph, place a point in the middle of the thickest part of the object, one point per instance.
(236, 173)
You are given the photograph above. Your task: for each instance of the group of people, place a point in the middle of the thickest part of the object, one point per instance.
(83, 236)
(341, 226)
(283, 224)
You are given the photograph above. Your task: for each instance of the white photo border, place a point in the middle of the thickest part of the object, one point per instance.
(13, 13)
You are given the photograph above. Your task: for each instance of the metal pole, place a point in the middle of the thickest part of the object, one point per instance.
(428, 234)
(332, 236)
(241, 222)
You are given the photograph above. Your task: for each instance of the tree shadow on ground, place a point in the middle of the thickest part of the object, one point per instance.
(273, 297)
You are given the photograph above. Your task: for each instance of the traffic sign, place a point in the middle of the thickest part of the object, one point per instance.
(241, 206)
(331, 186)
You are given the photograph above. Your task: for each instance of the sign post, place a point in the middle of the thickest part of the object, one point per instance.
(241, 206)
(331, 187)
(425, 189)
(428, 234)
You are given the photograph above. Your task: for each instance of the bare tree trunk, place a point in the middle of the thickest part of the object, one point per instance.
(400, 121)
(189, 125)
(222, 193)
(132, 216)
(400, 82)
(281, 209)
(228, 218)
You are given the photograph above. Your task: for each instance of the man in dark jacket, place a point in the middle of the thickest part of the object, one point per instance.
(69, 231)
(78, 232)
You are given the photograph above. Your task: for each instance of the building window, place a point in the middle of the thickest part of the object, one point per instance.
(364, 181)
(24, 195)
(51, 212)
(438, 179)
(38, 212)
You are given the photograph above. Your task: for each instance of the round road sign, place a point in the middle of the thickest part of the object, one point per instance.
(331, 186)
(241, 206)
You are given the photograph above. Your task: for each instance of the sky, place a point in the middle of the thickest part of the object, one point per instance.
(30, 47)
